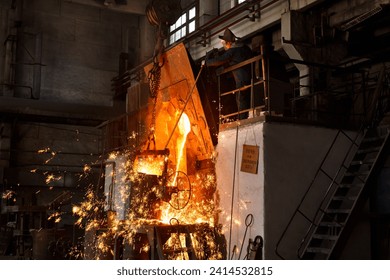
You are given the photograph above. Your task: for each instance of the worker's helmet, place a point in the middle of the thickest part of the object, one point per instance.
(228, 36)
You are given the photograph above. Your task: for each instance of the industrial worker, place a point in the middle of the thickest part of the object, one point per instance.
(235, 52)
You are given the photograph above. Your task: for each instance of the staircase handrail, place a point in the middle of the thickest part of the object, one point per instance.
(297, 210)
(320, 212)
(369, 121)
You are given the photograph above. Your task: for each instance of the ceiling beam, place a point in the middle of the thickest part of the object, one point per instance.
(132, 7)
(54, 112)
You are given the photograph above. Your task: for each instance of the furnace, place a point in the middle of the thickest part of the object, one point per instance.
(164, 203)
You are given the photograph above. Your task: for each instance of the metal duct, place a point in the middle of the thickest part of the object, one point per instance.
(293, 52)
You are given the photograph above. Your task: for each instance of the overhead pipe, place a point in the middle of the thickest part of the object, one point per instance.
(13, 69)
(18, 69)
(10, 47)
(293, 53)
(37, 67)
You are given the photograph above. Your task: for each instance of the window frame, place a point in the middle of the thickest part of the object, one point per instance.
(186, 11)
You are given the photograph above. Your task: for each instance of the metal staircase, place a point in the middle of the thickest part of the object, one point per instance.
(331, 220)
(321, 222)
(324, 227)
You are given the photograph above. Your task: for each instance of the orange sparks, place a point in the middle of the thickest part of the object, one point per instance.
(87, 168)
(51, 177)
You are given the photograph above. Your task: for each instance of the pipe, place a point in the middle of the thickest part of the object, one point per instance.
(293, 53)
(13, 86)
(37, 67)
(18, 70)
(111, 187)
(9, 50)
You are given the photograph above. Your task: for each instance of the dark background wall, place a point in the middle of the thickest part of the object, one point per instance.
(296, 151)
(56, 68)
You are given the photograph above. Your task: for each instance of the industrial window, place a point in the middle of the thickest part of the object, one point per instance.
(240, 1)
(184, 25)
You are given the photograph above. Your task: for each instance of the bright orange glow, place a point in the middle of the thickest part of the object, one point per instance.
(184, 127)
(167, 211)
(153, 200)
(51, 177)
(150, 164)
(128, 204)
(112, 156)
(175, 242)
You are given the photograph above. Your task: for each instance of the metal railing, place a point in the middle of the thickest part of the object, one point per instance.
(263, 81)
(248, 10)
(370, 120)
(354, 143)
(322, 105)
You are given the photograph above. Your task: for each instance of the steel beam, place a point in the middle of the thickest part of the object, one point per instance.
(132, 7)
